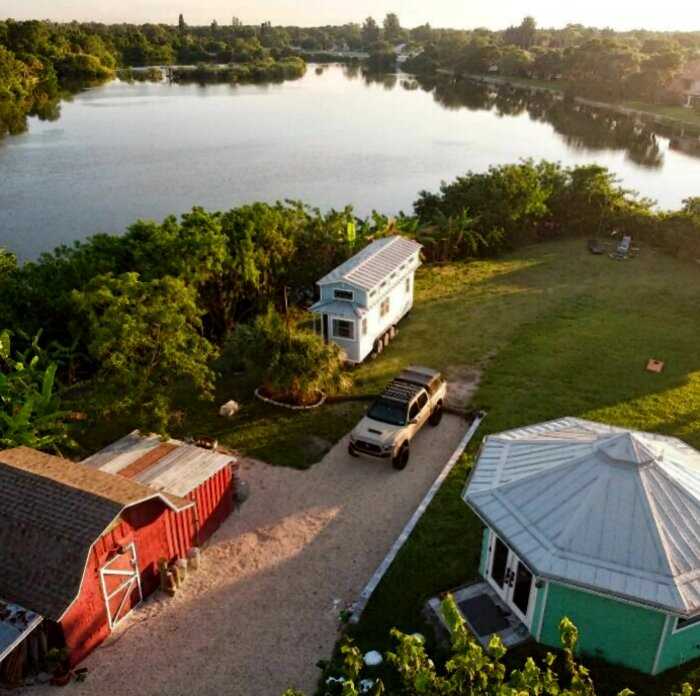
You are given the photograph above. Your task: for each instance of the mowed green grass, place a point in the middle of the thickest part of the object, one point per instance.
(568, 334)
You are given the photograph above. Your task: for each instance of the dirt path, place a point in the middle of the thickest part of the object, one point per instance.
(263, 608)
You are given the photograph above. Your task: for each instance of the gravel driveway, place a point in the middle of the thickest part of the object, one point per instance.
(263, 608)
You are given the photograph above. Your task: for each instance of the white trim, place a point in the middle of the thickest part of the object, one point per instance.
(544, 609)
(660, 646)
(125, 587)
(695, 623)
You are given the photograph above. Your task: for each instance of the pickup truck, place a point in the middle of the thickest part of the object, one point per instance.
(414, 398)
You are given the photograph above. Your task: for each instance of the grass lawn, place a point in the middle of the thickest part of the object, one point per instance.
(678, 113)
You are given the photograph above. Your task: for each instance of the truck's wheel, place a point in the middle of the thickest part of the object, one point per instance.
(385, 339)
(378, 347)
(436, 415)
(401, 459)
(351, 451)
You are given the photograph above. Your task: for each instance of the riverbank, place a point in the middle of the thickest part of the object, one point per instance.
(660, 114)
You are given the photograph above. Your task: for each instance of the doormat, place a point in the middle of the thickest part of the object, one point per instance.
(483, 615)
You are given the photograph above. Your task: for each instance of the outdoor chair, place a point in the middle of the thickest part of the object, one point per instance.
(623, 249)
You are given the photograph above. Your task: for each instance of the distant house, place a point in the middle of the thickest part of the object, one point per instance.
(599, 524)
(363, 299)
(687, 84)
(80, 543)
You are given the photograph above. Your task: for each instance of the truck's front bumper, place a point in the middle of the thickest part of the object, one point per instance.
(369, 450)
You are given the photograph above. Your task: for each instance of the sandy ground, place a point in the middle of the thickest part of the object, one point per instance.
(263, 608)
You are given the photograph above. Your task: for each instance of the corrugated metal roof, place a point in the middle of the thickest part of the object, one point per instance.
(179, 471)
(16, 623)
(369, 267)
(610, 509)
(52, 511)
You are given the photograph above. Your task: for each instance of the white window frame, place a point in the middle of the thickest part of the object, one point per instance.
(695, 623)
(347, 321)
(365, 324)
(343, 299)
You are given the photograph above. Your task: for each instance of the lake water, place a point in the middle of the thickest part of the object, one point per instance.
(125, 151)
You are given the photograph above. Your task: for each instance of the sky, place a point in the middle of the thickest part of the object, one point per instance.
(683, 15)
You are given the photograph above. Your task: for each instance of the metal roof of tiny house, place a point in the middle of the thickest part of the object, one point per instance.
(173, 466)
(612, 510)
(378, 260)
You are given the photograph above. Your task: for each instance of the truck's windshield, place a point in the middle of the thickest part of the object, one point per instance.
(388, 411)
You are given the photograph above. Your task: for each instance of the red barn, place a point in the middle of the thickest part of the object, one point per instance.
(80, 546)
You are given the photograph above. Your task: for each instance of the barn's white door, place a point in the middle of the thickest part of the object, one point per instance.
(121, 584)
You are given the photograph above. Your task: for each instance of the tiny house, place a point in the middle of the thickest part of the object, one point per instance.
(598, 524)
(362, 300)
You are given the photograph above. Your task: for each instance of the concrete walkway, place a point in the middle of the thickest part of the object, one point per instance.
(264, 606)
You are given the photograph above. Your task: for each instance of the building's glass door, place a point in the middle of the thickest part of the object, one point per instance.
(511, 578)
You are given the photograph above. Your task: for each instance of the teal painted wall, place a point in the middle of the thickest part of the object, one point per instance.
(679, 647)
(617, 632)
(484, 552)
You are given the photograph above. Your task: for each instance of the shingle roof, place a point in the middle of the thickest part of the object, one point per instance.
(597, 506)
(173, 467)
(369, 267)
(51, 512)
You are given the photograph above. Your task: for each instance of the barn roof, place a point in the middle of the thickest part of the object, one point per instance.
(51, 512)
(369, 267)
(173, 467)
(604, 508)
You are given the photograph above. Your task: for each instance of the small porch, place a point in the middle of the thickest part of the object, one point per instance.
(485, 614)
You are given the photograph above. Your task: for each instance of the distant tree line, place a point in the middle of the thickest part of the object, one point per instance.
(597, 63)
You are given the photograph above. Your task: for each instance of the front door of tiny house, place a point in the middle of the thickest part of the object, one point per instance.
(121, 584)
(511, 578)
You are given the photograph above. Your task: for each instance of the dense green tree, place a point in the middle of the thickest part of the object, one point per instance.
(370, 31)
(524, 35)
(30, 413)
(393, 33)
(294, 365)
(146, 338)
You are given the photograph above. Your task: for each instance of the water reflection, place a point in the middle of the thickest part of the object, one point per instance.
(582, 127)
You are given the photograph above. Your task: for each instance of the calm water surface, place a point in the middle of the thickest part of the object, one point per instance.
(125, 151)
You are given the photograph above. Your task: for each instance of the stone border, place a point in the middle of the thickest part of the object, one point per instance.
(267, 400)
(371, 586)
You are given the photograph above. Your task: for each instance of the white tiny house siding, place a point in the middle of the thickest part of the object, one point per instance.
(372, 312)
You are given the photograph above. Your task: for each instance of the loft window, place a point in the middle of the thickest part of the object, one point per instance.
(344, 295)
(384, 307)
(343, 329)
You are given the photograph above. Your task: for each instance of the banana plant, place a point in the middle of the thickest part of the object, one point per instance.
(30, 413)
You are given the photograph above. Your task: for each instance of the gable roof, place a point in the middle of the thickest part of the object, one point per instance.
(604, 508)
(369, 267)
(172, 467)
(52, 510)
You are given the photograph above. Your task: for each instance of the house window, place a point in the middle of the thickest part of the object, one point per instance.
(364, 327)
(408, 284)
(343, 329)
(344, 295)
(384, 307)
(685, 623)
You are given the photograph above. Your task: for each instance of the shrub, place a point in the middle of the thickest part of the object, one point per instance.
(293, 365)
